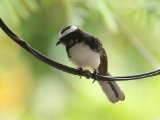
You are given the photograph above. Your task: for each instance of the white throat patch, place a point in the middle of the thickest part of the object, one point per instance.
(70, 30)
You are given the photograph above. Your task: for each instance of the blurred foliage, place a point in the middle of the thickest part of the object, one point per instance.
(31, 90)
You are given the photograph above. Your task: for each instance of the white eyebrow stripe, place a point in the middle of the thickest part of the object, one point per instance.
(72, 29)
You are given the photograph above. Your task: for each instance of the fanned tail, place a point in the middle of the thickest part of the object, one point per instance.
(110, 88)
(112, 91)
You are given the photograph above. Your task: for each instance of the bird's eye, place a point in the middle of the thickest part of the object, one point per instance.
(71, 34)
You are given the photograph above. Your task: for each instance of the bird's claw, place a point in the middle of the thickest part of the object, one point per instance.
(86, 73)
(95, 75)
(81, 72)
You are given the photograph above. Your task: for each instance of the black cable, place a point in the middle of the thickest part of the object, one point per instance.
(67, 69)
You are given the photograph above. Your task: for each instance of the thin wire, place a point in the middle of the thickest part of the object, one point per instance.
(67, 69)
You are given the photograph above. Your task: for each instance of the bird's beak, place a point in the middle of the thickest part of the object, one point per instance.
(59, 42)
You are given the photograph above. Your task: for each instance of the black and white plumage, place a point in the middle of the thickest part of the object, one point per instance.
(87, 52)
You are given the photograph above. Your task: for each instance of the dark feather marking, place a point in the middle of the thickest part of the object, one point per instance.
(66, 28)
(113, 88)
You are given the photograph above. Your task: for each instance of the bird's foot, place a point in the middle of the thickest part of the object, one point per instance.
(95, 75)
(80, 71)
(86, 73)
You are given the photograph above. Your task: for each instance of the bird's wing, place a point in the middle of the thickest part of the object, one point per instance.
(103, 67)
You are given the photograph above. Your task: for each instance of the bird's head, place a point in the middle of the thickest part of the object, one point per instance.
(68, 35)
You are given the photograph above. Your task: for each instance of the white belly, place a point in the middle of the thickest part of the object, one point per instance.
(84, 57)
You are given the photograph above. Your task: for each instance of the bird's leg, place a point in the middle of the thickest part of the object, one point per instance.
(95, 75)
(81, 71)
(86, 73)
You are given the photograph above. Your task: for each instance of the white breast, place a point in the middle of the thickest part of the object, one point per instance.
(84, 57)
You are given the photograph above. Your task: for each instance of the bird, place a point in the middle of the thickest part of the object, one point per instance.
(87, 53)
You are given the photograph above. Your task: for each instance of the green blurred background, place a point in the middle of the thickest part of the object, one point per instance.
(31, 90)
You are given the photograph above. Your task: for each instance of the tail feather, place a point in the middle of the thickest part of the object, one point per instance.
(110, 88)
(112, 91)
